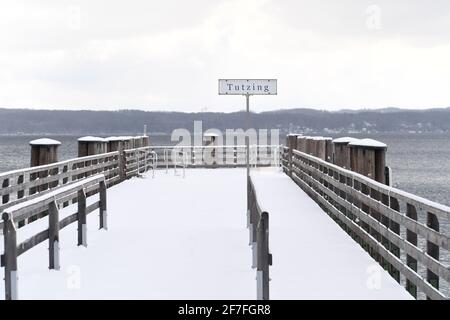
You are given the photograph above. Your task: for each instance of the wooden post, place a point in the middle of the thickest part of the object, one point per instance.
(369, 158)
(103, 214)
(291, 140)
(329, 149)
(395, 227)
(341, 152)
(10, 257)
(145, 141)
(82, 228)
(122, 161)
(88, 146)
(43, 151)
(309, 145)
(411, 237)
(264, 258)
(432, 249)
(53, 236)
(114, 143)
(301, 143)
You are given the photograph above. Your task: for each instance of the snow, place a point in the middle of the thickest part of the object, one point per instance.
(54, 194)
(344, 140)
(121, 138)
(313, 258)
(45, 142)
(167, 238)
(371, 143)
(92, 139)
(175, 238)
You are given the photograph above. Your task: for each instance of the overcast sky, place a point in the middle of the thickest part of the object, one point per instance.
(168, 55)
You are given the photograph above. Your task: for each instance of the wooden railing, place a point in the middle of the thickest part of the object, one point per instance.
(258, 225)
(20, 185)
(391, 224)
(50, 202)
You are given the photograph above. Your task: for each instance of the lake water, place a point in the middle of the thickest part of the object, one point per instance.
(420, 163)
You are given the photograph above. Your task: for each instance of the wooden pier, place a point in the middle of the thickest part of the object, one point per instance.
(347, 178)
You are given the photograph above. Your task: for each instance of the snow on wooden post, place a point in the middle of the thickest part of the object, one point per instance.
(114, 143)
(342, 151)
(264, 258)
(369, 158)
(53, 236)
(10, 256)
(82, 228)
(88, 146)
(43, 151)
(321, 147)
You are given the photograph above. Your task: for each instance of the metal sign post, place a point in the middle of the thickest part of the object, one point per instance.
(247, 87)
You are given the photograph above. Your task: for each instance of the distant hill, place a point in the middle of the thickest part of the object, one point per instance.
(25, 121)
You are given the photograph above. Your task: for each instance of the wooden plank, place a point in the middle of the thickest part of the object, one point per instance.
(92, 207)
(32, 242)
(68, 220)
(52, 178)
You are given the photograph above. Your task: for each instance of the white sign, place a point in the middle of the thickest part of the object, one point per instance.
(248, 86)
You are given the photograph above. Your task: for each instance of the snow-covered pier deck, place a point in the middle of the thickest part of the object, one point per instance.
(171, 237)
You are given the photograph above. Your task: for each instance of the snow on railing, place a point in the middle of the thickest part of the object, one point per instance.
(258, 225)
(220, 155)
(49, 202)
(19, 185)
(391, 224)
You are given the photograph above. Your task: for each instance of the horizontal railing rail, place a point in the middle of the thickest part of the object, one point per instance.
(19, 185)
(50, 202)
(139, 160)
(219, 155)
(258, 225)
(393, 225)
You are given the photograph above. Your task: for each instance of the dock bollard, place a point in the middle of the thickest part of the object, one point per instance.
(341, 152)
(43, 151)
(368, 157)
(89, 146)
